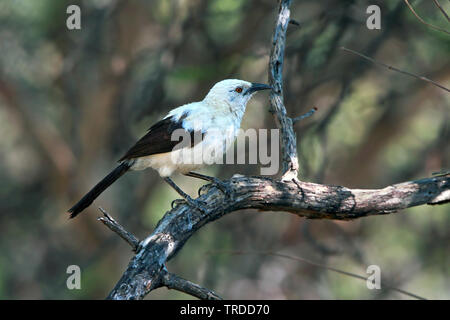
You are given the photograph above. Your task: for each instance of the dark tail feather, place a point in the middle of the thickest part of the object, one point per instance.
(98, 189)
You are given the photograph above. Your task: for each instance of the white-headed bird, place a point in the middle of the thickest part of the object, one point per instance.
(207, 129)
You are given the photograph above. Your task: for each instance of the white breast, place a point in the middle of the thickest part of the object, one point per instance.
(210, 151)
(220, 125)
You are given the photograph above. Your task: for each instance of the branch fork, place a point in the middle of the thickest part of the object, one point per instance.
(165, 278)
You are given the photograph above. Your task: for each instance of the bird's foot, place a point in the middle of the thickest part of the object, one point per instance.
(194, 203)
(177, 202)
(219, 184)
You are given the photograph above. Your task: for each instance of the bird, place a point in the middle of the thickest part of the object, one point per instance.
(210, 124)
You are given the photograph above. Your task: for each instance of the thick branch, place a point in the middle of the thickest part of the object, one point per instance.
(169, 280)
(310, 200)
(304, 116)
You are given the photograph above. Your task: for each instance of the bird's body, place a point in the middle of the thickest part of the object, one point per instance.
(189, 137)
(214, 128)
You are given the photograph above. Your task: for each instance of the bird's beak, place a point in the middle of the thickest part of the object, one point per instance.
(257, 87)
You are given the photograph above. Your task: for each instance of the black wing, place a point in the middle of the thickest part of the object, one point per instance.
(158, 139)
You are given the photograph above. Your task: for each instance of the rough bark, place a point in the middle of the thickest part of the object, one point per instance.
(305, 199)
(284, 123)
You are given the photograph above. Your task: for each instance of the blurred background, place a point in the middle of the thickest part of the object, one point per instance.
(73, 101)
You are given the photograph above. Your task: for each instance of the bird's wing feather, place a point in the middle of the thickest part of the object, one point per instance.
(158, 139)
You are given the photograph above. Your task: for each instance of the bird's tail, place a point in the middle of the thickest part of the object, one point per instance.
(98, 189)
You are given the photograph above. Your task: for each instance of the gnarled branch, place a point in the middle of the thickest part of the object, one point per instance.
(146, 270)
(172, 281)
(167, 279)
(305, 199)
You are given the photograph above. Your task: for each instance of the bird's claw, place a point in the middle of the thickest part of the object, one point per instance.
(222, 186)
(197, 204)
(204, 189)
(194, 203)
(177, 202)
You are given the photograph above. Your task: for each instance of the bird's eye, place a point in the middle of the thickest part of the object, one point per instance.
(238, 89)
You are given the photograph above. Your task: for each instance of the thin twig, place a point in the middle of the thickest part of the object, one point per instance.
(305, 115)
(423, 21)
(346, 273)
(112, 224)
(441, 173)
(172, 281)
(442, 10)
(396, 69)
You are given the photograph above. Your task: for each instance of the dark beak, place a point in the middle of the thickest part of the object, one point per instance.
(257, 87)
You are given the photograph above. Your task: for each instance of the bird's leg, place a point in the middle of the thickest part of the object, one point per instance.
(214, 181)
(195, 203)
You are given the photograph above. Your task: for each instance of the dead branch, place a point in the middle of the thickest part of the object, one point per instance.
(114, 226)
(304, 116)
(396, 69)
(146, 270)
(284, 123)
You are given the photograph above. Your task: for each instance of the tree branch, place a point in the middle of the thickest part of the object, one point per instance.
(146, 270)
(304, 116)
(283, 122)
(305, 199)
(396, 69)
(442, 10)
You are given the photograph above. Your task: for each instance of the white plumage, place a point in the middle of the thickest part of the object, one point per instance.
(212, 124)
(218, 115)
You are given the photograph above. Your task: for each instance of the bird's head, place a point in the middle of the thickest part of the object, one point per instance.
(233, 93)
